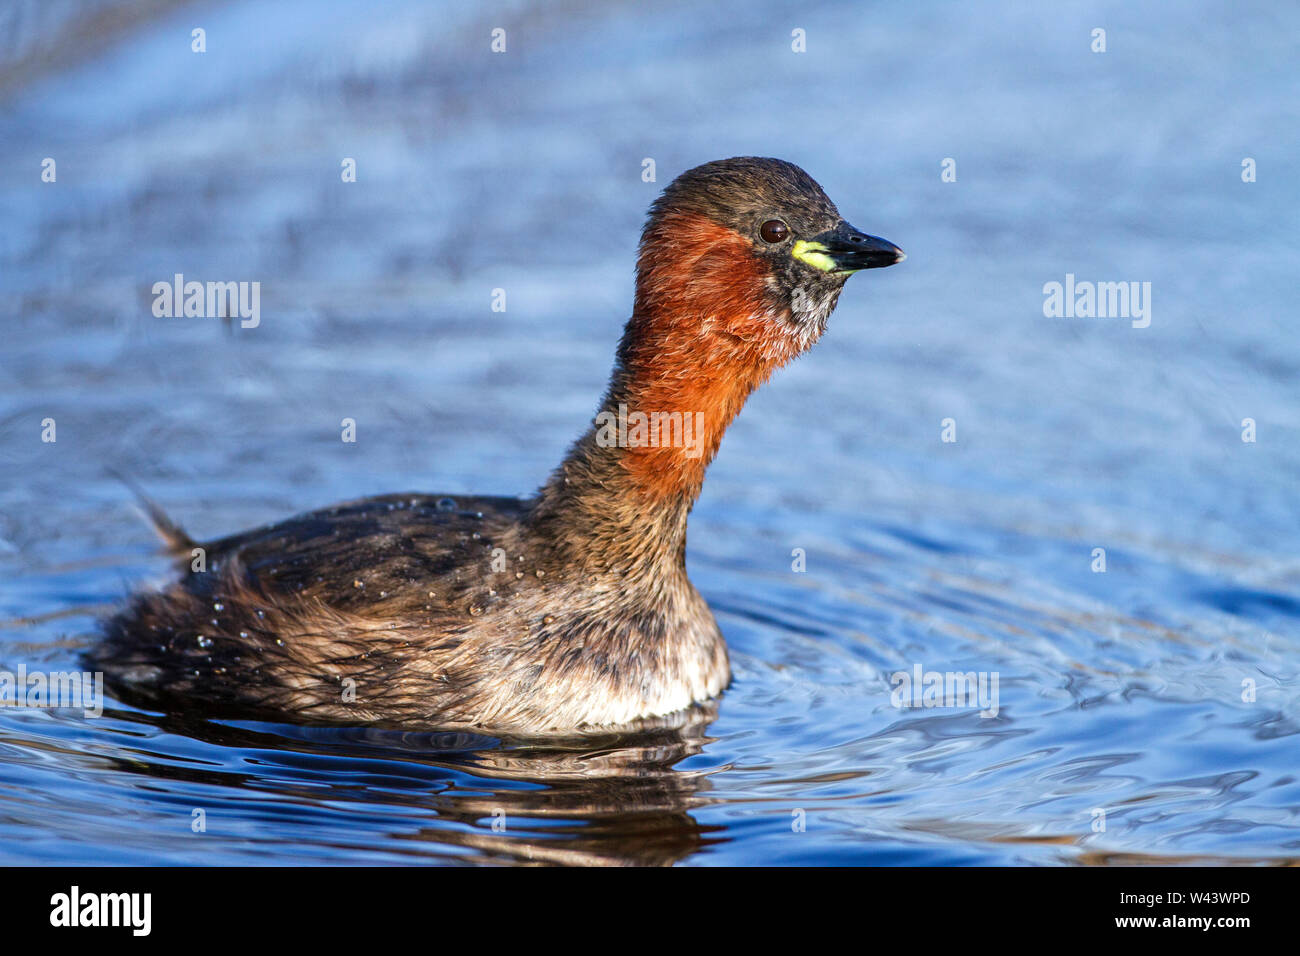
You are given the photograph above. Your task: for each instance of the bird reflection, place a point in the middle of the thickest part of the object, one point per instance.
(598, 799)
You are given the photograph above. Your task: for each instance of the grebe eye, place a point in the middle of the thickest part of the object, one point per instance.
(774, 230)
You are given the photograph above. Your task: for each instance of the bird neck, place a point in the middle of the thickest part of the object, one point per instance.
(701, 338)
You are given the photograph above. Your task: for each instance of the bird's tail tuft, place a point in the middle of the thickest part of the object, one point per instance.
(176, 541)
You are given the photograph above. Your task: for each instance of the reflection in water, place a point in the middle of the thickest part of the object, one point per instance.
(594, 800)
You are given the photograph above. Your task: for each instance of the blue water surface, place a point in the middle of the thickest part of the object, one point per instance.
(1147, 713)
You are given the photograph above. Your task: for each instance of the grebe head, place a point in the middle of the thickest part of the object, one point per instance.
(755, 237)
(741, 262)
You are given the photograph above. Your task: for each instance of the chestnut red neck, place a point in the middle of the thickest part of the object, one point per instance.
(704, 333)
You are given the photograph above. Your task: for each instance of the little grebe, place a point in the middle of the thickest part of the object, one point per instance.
(564, 611)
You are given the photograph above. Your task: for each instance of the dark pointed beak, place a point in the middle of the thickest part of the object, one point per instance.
(845, 249)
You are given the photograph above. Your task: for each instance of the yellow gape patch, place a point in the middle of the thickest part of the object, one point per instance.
(813, 254)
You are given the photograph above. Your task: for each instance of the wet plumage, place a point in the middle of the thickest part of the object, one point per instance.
(567, 610)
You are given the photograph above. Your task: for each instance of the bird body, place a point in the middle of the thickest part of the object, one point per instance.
(567, 610)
